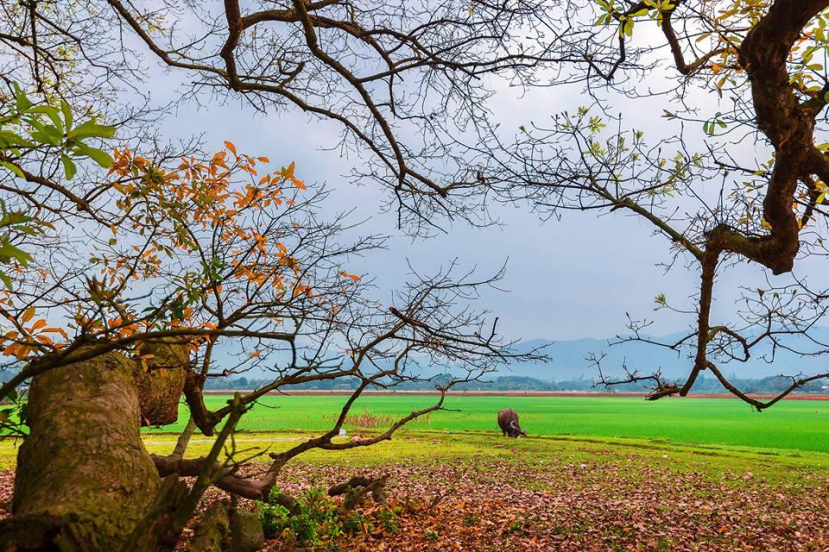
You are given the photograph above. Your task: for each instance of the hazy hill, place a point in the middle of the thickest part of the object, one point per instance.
(568, 359)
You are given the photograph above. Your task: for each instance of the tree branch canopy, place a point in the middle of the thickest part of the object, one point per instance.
(178, 265)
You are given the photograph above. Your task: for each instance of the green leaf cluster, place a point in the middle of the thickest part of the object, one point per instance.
(13, 226)
(48, 128)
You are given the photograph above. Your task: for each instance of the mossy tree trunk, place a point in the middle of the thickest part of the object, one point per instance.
(84, 479)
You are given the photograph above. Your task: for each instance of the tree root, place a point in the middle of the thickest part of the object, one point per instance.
(212, 529)
(358, 487)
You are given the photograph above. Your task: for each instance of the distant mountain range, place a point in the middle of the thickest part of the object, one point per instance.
(568, 359)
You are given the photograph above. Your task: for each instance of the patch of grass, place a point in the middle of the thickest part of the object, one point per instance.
(791, 425)
(552, 453)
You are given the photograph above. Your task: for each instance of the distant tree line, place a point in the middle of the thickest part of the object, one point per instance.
(767, 385)
(762, 386)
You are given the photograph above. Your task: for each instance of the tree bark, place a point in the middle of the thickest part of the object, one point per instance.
(84, 480)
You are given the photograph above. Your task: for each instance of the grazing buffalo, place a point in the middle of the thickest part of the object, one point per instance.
(508, 422)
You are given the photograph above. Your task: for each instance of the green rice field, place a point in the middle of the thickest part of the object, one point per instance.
(792, 425)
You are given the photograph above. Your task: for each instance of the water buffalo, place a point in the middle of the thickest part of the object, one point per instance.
(508, 422)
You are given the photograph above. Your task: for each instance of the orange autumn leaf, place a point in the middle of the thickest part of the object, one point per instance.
(17, 350)
(56, 330)
(345, 274)
(231, 147)
(288, 174)
(28, 314)
(37, 325)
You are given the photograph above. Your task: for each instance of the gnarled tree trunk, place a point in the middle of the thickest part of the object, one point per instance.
(84, 479)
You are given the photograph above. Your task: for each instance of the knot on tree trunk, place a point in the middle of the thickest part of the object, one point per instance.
(160, 373)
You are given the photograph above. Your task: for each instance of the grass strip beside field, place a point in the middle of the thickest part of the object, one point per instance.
(428, 447)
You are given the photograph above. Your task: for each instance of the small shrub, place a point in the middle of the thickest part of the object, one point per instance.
(315, 519)
(303, 529)
(274, 518)
(317, 522)
(388, 519)
(353, 523)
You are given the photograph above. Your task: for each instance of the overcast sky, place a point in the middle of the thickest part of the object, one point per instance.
(565, 279)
